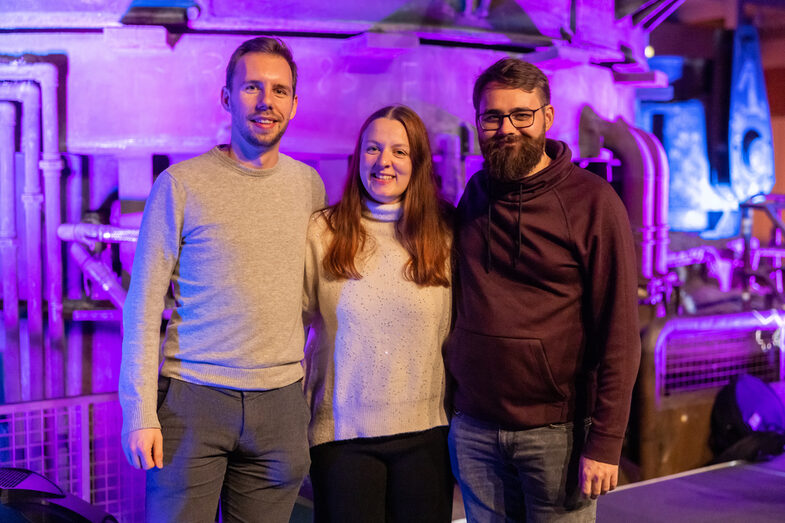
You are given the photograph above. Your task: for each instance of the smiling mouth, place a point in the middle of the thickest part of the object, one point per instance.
(383, 177)
(263, 120)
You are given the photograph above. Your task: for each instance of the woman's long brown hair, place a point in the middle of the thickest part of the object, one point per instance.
(423, 227)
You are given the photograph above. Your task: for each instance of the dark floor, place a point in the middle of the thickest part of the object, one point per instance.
(730, 492)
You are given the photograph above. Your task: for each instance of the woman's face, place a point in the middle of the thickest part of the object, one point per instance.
(385, 162)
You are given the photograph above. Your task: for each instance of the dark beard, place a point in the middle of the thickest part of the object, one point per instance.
(511, 157)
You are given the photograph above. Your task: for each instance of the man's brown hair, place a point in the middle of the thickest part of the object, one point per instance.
(262, 44)
(514, 74)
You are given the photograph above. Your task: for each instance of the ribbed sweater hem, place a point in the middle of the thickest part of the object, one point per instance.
(366, 422)
(264, 378)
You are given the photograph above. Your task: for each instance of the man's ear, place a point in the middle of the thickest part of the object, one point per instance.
(294, 107)
(548, 112)
(225, 98)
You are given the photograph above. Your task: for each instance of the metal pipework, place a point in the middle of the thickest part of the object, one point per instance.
(51, 164)
(74, 284)
(99, 273)
(645, 175)
(8, 252)
(660, 186)
(91, 233)
(719, 267)
(73, 214)
(28, 94)
(8, 241)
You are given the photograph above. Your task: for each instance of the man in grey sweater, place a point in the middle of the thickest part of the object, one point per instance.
(225, 231)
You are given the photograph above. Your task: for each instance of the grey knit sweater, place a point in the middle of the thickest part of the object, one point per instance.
(374, 362)
(230, 242)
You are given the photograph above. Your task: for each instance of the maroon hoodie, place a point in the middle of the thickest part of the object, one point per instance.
(546, 327)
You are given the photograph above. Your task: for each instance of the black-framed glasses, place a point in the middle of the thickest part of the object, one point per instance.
(519, 119)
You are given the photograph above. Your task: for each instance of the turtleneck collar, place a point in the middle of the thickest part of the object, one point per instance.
(383, 212)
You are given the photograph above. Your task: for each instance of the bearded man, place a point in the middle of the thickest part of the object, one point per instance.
(546, 346)
(225, 416)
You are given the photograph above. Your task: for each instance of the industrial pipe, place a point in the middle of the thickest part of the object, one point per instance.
(51, 164)
(661, 187)
(8, 252)
(637, 186)
(74, 282)
(719, 267)
(8, 242)
(645, 183)
(99, 273)
(73, 214)
(31, 361)
(45, 75)
(91, 233)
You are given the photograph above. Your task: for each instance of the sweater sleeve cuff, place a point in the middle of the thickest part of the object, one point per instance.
(136, 419)
(603, 448)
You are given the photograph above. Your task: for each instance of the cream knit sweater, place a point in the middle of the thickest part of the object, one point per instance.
(373, 361)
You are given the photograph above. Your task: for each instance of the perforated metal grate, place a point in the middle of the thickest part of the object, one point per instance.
(9, 478)
(75, 443)
(700, 360)
(44, 437)
(114, 484)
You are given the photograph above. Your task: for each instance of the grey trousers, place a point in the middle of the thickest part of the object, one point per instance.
(248, 447)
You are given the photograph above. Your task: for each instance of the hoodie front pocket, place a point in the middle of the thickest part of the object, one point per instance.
(514, 371)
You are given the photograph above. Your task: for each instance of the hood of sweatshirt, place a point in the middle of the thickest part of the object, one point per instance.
(520, 191)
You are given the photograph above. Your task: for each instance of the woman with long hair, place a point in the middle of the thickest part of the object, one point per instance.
(377, 296)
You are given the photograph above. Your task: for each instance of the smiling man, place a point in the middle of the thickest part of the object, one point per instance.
(225, 233)
(545, 348)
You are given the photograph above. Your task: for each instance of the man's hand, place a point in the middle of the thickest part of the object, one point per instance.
(144, 448)
(596, 477)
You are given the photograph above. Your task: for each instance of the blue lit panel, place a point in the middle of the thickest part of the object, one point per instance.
(681, 127)
(671, 65)
(751, 155)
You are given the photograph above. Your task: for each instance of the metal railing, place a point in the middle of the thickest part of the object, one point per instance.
(75, 442)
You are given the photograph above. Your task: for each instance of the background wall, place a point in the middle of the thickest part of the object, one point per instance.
(138, 89)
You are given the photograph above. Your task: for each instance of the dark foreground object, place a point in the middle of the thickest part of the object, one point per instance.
(26, 496)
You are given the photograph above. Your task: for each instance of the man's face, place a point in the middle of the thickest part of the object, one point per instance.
(261, 101)
(511, 152)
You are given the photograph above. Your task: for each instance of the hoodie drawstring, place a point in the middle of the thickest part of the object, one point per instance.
(488, 235)
(518, 245)
(518, 236)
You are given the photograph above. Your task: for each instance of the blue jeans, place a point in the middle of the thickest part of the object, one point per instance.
(248, 447)
(520, 475)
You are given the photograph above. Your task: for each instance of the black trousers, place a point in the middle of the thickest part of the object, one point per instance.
(401, 478)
